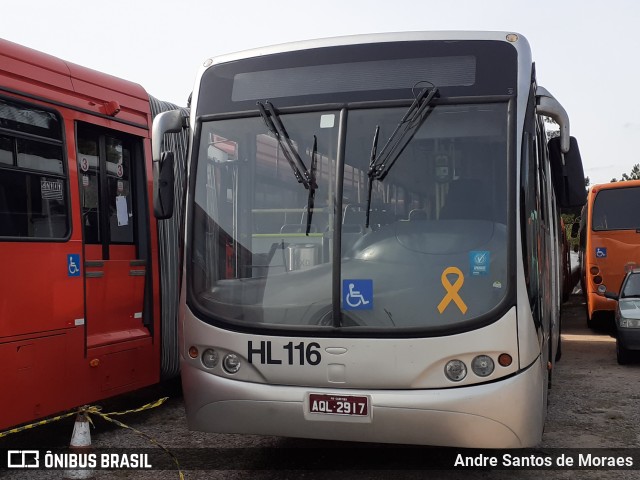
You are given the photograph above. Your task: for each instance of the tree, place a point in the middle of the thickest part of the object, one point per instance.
(634, 175)
(569, 219)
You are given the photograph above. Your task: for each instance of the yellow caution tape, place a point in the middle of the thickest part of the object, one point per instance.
(36, 424)
(88, 410)
(106, 416)
(155, 404)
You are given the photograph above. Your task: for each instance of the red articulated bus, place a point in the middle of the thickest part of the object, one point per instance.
(80, 311)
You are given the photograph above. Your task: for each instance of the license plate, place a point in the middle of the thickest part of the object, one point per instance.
(349, 405)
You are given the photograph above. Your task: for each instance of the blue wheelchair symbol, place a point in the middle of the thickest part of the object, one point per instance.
(357, 294)
(601, 252)
(73, 265)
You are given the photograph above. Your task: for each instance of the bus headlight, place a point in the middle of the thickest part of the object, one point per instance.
(210, 358)
(455, 370)
(482, 365)
(231, 363)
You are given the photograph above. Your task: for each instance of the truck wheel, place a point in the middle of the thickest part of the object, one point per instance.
(622, 354)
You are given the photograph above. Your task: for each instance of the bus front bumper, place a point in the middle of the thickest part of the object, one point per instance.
(504, 414)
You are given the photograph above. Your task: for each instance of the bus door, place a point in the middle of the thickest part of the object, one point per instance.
(110, 170)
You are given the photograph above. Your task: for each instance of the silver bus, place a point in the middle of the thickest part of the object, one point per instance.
(371, 242)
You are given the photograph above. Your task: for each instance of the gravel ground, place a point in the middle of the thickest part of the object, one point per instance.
(593, 404)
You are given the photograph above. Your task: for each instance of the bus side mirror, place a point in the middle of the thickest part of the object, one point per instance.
(163, 177)
(163, 192)
(575, 228)
(567, 174)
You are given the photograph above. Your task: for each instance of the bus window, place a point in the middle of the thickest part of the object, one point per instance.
(119, 191)
(6, 150)
(116, 169)
(611, 209)
(89, 191)
(33, 185)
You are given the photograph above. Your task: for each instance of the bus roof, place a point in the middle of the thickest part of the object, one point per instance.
(368, 38)
(41, 76)
(614, 185)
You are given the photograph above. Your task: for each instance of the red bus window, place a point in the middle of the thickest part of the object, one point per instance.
(88, 161)
(104, 162)
(39, 156)
(119, 191)
(33, 184)
(6, 150)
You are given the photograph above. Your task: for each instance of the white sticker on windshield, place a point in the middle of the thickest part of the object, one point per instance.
(51, 189)
(480, 262)
(327, 121)
(122, 211)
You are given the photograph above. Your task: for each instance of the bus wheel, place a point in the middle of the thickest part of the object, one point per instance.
(594, 321)
(549, 371)
(622, 354)
(590, 321)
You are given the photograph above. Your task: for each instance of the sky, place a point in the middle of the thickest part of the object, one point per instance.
(586, 51)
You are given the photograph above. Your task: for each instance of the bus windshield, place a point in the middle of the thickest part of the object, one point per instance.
(432, 256)
(611, 209)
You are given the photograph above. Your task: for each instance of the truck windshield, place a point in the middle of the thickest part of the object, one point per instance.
(433, 254)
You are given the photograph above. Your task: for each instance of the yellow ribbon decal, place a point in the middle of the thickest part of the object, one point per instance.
(452, 290)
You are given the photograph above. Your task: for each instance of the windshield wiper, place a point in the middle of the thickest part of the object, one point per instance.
(380, 165)
(397, 142)
(312, 183)
(372, 162)
(304, 176)
(275, 126)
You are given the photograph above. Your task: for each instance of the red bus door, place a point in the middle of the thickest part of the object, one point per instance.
(115, 238)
